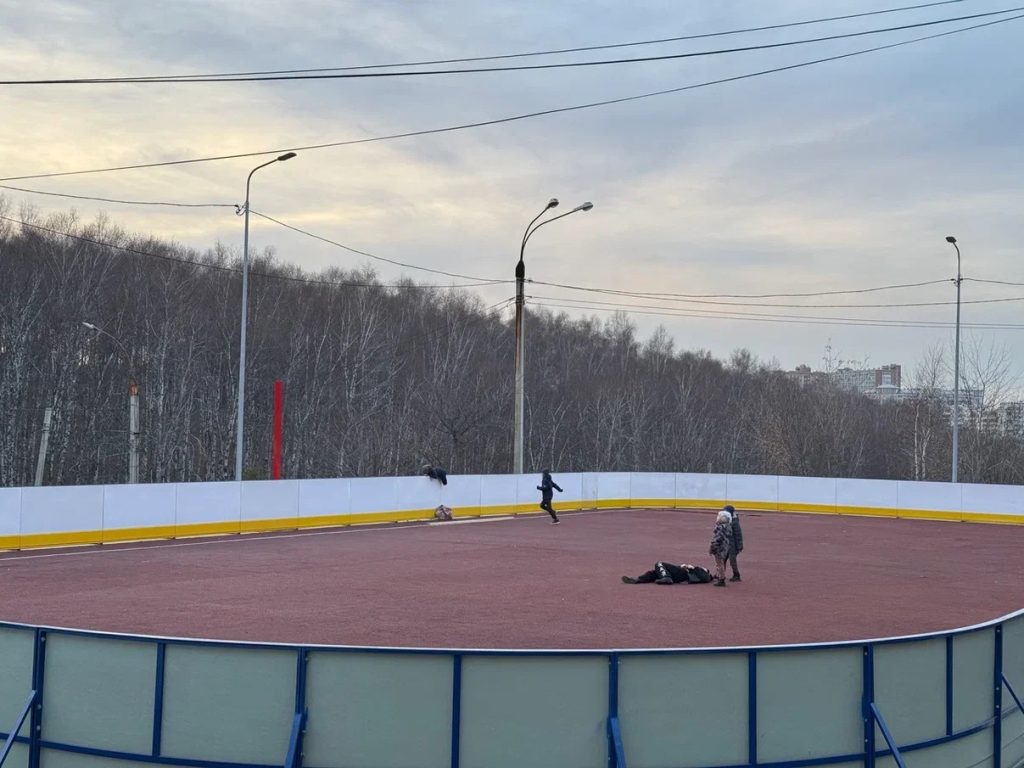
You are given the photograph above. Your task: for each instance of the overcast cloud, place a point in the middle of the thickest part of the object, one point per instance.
(844, 175)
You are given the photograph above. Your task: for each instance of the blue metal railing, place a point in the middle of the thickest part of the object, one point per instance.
(617, 728)
(20, 721)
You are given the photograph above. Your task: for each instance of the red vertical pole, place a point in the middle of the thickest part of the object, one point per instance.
(275, 470)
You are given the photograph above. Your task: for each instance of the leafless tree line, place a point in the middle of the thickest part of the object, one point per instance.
(380, 378)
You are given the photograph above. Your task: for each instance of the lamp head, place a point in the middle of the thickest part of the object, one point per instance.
(90, 326)
(585, 206)
(950, 239)
(286, 156)
(552, 203)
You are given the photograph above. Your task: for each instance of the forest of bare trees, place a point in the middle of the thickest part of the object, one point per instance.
(380, 378)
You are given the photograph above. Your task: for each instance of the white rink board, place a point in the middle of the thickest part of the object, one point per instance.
(820, 491)
(318, 498)
(714, 488)
(993, 499)
(62, 508)
(613, 485)
(418, 492)
(138, 506)
(497, 490)
(207, 503)
(652, 485)
(373, 494)
(936, 496)
(762, 488)
(270, 500)
(866, 493)
(10, 511)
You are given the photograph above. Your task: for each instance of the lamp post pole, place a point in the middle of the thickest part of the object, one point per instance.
(133, 408)
(240, 419)
(517, 421)
(956, 366)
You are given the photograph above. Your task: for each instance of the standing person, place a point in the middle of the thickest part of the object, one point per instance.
(546, 484)
(737, 541)
(721, 545)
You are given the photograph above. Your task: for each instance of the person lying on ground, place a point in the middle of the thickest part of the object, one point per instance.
(667, 573)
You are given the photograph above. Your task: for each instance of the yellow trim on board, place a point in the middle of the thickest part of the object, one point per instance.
(71, 538)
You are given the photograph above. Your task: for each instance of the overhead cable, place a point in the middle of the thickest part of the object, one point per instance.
(524, 116)
(269, 275)
(515, 68)
(551, 52)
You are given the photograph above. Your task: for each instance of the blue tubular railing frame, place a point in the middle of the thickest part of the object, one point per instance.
(616, 727)
(20, 721)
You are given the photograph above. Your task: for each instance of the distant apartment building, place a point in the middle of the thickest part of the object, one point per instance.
(1006, 419)
(876, 382)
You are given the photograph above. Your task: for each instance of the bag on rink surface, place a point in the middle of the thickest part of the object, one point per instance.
(443, 513)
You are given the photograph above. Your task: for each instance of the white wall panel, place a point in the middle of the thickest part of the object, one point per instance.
(701, 487)
(138, 506)
(937, 496)
(762, 488)
(10, 511)
(270, 499)
(820, 491)
(327, 496)
(571, 484)
(526, 488)
(993, 499)
(497, 490)
(866, 493)
(652, 485)
(62, 508)
(421, 492)
(463, 492)
(373, 494)
(207, 502)
(589, 493)
(613, 485)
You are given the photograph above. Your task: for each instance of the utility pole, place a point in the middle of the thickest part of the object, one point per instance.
(956, 366)
(133, 432)
(44, 441)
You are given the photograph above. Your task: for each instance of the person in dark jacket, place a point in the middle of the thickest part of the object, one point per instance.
(667, 573)
(721, 545)
(737, 541)
(546, 494)
(435, 473)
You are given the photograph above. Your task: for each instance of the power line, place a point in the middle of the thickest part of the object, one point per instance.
(992, 282)
(769, 314)
(552, 52)
(374, 256)
(515, 68)
(122, 202)
(661, 296)
(901, 305)
(218, 268)
(524, 116)
(735, 316)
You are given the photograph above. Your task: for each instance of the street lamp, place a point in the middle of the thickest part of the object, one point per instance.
(517, 424)
(133, 405)
(240, 421)
(956, 365)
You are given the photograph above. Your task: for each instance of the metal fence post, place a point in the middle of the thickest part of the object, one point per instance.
(36, 721)
(997, 726)
(866, 701)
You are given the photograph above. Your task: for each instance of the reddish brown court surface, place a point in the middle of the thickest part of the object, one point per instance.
(524, 583)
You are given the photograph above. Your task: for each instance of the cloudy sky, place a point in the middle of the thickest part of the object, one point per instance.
(844, 175)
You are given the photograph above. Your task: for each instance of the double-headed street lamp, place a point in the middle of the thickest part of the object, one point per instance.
(956, 365)
(517, 427)
(240, 421)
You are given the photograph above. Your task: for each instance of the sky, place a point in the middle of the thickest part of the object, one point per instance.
(840, 176)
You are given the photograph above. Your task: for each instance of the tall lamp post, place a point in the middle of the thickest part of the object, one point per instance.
(240, 420)
(133, 406)
(517, 426)
(956, 365)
